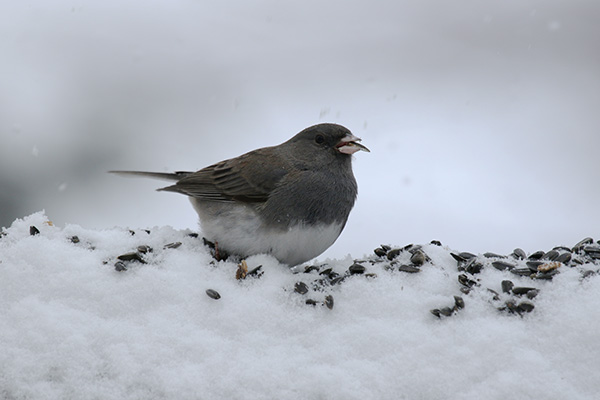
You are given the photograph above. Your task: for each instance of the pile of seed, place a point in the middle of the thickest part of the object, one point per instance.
(412, 259)
(540, 265)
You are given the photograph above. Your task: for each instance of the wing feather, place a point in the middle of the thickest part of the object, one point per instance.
(245, 178)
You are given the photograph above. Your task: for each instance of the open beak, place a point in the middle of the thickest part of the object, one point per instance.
(349, 145)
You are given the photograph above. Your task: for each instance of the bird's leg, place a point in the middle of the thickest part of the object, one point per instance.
(217, 254)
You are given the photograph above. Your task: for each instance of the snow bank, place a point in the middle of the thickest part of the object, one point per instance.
(73, 327)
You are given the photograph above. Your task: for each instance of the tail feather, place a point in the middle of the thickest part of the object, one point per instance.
(169, 176)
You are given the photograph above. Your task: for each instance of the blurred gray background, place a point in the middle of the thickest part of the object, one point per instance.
(483, 117)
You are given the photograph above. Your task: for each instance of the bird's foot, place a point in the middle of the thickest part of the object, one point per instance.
(218, 254)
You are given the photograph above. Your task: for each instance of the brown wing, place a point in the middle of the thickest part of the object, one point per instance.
(249, 178)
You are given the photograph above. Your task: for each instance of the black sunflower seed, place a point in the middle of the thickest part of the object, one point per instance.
(564, 258)
(519, 254)
(120, 266)
(418, 258)
(537, 255)
(458, 258)
(503, 265)
(465, 281)
(393, 253)
(525, 306)
(473, 266)
(446, 311)
(579, 246)
(521, 271)
(466, 255)
(301, 287)
(380, 252)
(356, 268)
(518, 290)
(493, 255)
(551, 255)
(459, 303)
(409, 268)
(507, 286)
(143, 249)
(213, 294)
(329, 301)
(133, 256)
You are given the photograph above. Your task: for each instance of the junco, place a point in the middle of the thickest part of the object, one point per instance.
(290, 200)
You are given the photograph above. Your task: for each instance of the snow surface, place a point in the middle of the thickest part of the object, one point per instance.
(75, 328)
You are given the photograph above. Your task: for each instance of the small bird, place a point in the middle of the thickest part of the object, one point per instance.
(291, 200)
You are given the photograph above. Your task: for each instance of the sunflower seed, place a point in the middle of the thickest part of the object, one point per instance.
(525, 306)
(507, 286)
(459, 302)
(311, 268)
(503, 265)
(143, 249)
(533, 265)
(133, 256)
(493, 255)
(418, 258)
(519, 254)
(465, 281)
(579, 246)
(256, 272)
(446, 311)
(380, 252)
(356, 268)
(466, 255)
(120, 266)
(458, 258)
(473, 266)
(521, 271)
(213, 294)
(564, 258)
(551, 255)
(519, 290)
(301, 287)
(329, 301)
(537, 255)
(393, 254)
(409, 268)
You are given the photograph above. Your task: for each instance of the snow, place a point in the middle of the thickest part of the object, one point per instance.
(75, 328)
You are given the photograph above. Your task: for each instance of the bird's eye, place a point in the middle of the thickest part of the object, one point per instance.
(319, 139)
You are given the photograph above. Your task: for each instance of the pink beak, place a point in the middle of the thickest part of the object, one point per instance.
(349, 145)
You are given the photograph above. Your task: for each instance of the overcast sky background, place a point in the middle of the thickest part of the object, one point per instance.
(483, 117)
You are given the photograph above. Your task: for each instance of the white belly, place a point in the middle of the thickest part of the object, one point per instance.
(238, 230)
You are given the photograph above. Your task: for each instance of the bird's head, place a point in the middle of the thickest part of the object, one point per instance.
(327, 139)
